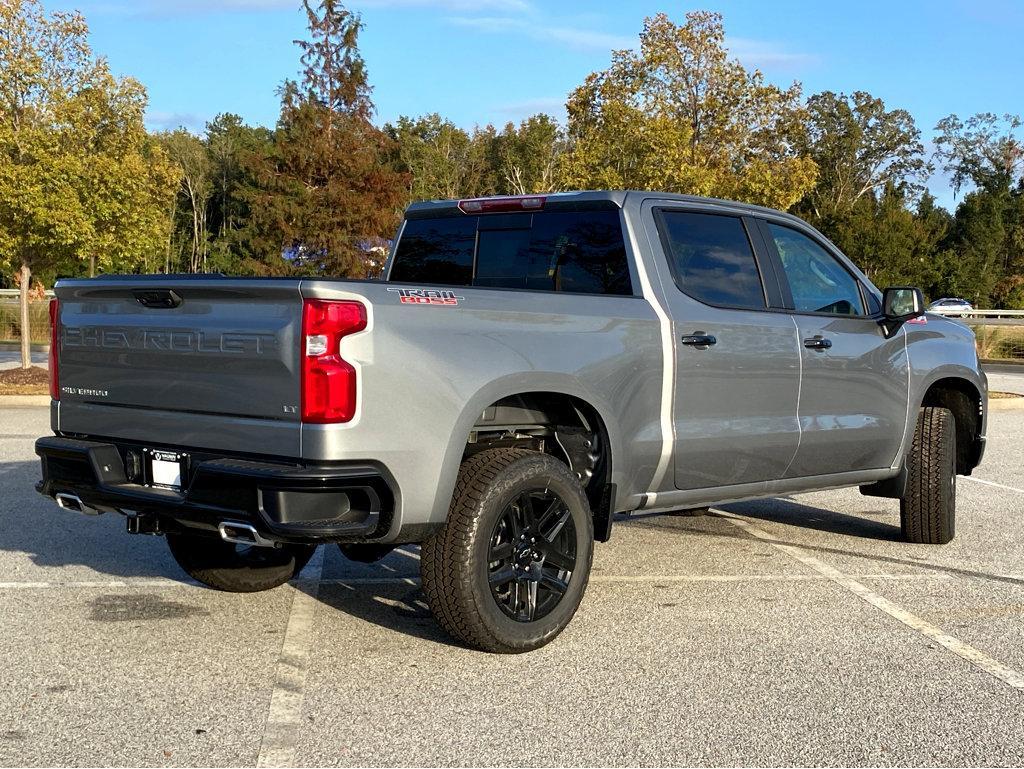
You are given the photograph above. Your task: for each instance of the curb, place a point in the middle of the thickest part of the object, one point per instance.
(1001, 361)
(35, 400)
(1006, 404)
(16, 347)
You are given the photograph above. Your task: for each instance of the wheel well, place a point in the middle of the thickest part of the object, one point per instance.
(963, 399)
(567, 428)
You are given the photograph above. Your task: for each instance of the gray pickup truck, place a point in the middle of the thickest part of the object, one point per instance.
(528, 368)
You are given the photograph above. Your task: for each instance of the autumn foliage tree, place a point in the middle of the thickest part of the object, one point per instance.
(679, 115)
(324, 189)
(81, 183)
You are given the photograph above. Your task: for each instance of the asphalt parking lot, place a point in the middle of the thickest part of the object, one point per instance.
(786, 631)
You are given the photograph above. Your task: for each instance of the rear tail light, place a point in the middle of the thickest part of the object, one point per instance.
(54, 348)
(328, 381)
(499, 205)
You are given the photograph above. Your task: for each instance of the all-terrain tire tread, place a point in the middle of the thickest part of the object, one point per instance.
(927, 510)
(445, 558)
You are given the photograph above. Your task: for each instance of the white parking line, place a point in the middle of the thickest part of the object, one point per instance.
(281, 732)
(977, 658)
(609, 579)
(101, 584)
(991, 483)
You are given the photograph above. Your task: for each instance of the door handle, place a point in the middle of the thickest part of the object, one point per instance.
(817, 343)
(699, 340)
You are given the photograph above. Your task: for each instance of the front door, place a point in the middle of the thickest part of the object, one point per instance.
(737, 362)
(853, 395)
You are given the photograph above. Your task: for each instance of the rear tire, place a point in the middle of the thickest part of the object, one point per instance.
(928, 506)
(237, 568)
(508, 570)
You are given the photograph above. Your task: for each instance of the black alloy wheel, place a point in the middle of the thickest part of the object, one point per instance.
(532, 555)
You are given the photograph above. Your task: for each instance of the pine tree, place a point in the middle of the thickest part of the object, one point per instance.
(325, 189)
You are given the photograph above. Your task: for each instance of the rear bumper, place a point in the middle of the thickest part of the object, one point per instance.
(345, 502)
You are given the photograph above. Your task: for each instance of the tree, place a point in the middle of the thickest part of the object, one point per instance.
(891, 243)
(859, 148)
(679, 115)
(80, 181)
(44, 61)
(232, 146)
(325, 187)
(436, 156)
(986, 152)
(528, 155)
(126, 180)
(195, 173)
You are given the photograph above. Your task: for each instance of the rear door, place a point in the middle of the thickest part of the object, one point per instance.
(854, 390)
(737, 361)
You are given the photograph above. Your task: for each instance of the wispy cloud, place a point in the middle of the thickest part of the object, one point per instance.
(158, 8)
(190, 7)
(767, 54)
(533, 106)
(159, 120)
(457, 6)
(574, 37)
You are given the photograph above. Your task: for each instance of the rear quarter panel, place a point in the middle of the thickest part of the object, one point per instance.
(426, 373)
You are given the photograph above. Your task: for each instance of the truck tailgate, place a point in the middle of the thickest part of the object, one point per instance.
(183, 346)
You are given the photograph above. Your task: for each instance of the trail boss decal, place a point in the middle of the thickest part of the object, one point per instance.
(427, 296)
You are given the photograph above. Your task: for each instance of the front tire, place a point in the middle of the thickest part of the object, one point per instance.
(237, 568)
(928, 506)
(509, 568)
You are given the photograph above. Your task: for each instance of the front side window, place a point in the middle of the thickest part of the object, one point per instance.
(712, 259)
(817, 281)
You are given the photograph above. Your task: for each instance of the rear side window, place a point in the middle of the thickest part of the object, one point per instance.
(712, 259)
(436, 251)
(572, 252)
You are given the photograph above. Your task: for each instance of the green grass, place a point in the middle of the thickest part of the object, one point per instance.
(1000, 342)
(39, 322)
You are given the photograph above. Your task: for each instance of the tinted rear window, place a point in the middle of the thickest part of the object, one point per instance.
(575, 252)
(712, 259)
(436, 251)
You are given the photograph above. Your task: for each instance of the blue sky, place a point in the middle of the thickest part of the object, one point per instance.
(480, 61)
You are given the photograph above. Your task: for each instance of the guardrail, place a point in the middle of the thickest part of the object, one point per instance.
(14, 293)
(989, 314)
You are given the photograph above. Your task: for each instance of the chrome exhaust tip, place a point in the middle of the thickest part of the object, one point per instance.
(74, 504)
(243, 534)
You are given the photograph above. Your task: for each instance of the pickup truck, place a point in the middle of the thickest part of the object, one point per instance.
(528, 368)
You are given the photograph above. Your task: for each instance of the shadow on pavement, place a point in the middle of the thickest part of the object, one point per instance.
(400, 608)
(785, 510)
(55, 538)
(791, 513)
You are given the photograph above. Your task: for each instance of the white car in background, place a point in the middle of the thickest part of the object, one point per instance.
(951, 306)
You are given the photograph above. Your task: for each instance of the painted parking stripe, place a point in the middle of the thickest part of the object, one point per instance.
(605, 579)
(990, 483)
(280, 735)
(979, 659)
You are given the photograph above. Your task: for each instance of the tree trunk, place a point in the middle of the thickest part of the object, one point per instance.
(92, 266)
(26, 329)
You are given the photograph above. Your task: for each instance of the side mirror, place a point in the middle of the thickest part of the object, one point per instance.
(902, 303)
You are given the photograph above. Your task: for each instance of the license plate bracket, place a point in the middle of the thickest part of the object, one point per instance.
(165, 469)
